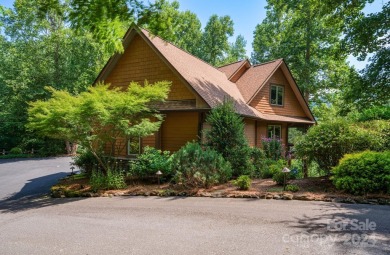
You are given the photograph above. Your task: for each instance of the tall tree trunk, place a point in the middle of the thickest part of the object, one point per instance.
(71, 148)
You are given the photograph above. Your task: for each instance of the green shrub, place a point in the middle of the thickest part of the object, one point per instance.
(112, 180)
(44, 146)
(292, 187)
(227, 137)
(297, 168)
(273, 148)
(16, 150)
(197, 167)
(243, 182)
(327, 142)
(278, 176)
(85, 160)
(271, 167)
(258, 160)
(364, 172)
(151, 161)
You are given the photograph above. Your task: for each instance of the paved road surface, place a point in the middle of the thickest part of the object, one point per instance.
(30, 177)
(152, 225)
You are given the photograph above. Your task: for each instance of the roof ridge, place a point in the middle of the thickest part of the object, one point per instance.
(232, 63)
(174, 45)
(268, 62)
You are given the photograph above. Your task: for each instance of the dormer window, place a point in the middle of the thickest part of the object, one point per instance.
(277, 95)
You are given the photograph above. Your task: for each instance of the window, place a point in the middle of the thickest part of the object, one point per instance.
(274, 131)
(134, 146)
(277, 95)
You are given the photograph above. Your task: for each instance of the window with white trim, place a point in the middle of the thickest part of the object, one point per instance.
(274, 131)
(277, 95)
(134, 145)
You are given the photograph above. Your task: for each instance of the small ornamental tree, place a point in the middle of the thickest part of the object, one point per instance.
(99, 116)
(226, 136)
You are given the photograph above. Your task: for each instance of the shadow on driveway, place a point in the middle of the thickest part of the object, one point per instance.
(351, 227)
(34, 194)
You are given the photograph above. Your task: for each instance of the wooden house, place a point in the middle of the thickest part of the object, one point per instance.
(265, 95)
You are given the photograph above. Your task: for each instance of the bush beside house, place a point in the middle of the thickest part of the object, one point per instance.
(364, 172)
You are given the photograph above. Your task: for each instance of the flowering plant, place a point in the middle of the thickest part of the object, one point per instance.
(273, 148)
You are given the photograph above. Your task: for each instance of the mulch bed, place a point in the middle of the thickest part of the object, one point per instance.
(311, 189)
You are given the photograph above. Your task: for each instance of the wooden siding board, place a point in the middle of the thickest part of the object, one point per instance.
(250, 132)
(291, 106)
(177, 129)
(139, 63)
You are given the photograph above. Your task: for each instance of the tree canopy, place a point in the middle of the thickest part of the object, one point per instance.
(100, 116)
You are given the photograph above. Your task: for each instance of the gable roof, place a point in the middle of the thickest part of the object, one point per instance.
(208, 82)
(255, 77)
(231, 68)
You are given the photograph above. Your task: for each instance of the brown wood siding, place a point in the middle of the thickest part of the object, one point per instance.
(117, 149)
(250, 132)
(139, 63)
(177, 129)
(149, 141)
(291, 106)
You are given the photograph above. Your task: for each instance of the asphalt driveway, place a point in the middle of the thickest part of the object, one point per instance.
(30, 177)
(153, 225)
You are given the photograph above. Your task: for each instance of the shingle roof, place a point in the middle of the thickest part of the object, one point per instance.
(230, 69)
(255, 77)
(210, 83)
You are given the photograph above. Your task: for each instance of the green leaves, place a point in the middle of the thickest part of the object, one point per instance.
(361, 173)
(226, 123)
(329, 141)
(307, 35)
(215, 39)
(99, 116)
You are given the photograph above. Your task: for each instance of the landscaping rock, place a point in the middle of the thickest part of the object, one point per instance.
(287, 196)
(349, 200)
(105, 195)
(87, 194)
(301, 197)
(373, 201)
(361, 201)
(217, 195)
(276, 197)
(337, 200)
(206, 194)
(269, 196)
